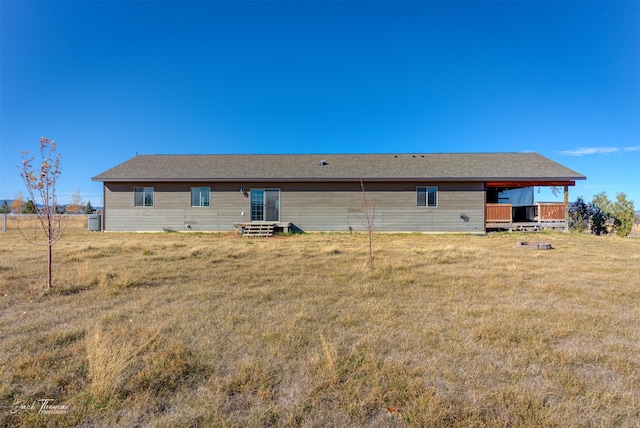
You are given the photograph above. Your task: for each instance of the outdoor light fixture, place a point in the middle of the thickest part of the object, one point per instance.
(245, 192)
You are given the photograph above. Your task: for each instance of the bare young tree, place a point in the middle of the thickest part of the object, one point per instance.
(40, 181)
(18, 203)
(369, 211)
(75, 206)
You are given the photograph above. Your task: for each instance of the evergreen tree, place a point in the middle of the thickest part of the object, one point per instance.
(5, 207)
(580, 214)
(624, 214)
(601, 208)
(88, 209)
(598, 221)
(29, 207)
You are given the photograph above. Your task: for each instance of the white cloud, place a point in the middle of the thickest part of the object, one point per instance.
(632, 149)
(590, 151)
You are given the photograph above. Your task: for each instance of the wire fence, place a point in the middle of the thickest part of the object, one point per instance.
(10, 222)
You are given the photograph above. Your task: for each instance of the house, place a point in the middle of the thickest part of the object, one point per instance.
(311, 192)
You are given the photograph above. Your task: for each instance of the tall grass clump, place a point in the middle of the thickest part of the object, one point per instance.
(136, 363)
(112, 353)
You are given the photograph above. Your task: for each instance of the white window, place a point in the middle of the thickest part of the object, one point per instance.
(427, 196)
(143, 196)
(200, 196)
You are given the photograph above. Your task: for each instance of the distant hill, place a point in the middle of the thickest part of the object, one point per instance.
(64, 207)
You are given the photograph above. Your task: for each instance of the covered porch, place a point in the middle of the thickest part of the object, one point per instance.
(510, 206)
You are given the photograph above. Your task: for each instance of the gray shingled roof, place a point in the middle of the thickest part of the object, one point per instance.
(340, 167)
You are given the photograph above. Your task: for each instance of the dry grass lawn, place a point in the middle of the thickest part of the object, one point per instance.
(218, 330)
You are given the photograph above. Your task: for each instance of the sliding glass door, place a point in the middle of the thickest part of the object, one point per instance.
(265, 204)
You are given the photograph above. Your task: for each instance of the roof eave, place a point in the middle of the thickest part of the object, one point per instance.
(334, 179)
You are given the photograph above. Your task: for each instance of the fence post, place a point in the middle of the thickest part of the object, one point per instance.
(4, 223)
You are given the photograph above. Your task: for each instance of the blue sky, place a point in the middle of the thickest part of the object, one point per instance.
(108, 80)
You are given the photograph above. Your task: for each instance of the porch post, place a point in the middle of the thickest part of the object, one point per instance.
(566, 208)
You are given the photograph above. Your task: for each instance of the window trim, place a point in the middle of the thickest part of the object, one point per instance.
(200, 189)
(143, 191)
(426, 190)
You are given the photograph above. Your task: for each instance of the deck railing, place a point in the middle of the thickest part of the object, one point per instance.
(499, 213)
(545, 212)
(550, 212)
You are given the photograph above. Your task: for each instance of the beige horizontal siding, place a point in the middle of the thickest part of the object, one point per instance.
(309, 206)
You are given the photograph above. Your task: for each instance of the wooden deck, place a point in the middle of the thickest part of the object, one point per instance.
(526, 226)
(261, 228)
(544, 216)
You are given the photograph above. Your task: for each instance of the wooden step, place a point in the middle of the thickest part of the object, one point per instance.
(258, 229)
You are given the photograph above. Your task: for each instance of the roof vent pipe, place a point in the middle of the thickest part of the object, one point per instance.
(323, 162)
